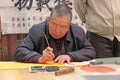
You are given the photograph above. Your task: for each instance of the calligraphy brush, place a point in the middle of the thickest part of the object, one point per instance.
(51, 61)
(46, 39)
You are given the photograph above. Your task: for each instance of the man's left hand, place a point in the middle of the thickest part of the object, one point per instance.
(63, 58)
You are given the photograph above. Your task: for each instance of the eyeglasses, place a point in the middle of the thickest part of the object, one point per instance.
(60, 26)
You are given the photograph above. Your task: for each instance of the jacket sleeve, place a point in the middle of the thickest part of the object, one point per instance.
(84, 49)
(80, 8)
(26, 49)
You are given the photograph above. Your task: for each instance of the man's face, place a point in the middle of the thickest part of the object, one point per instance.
(58, 27)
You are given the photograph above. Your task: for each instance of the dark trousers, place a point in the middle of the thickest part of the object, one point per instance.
(104, 47)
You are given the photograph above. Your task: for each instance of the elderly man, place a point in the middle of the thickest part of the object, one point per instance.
(55, 39)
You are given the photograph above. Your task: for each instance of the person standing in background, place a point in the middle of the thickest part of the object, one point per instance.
(102, 21)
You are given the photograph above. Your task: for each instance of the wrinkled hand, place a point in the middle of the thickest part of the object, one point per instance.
(47, 55)
(63, 58)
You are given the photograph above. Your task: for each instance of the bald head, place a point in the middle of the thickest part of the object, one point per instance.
(61, 11)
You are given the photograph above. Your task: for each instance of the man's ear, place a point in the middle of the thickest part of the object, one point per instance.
(48, 18)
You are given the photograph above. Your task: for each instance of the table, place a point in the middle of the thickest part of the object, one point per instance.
(24, 74)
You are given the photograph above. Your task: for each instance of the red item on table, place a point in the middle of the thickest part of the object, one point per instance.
(100, 69)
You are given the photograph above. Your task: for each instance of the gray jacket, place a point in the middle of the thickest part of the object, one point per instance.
(76, 44)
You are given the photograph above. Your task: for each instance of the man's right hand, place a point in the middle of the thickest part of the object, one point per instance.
(47, 55)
